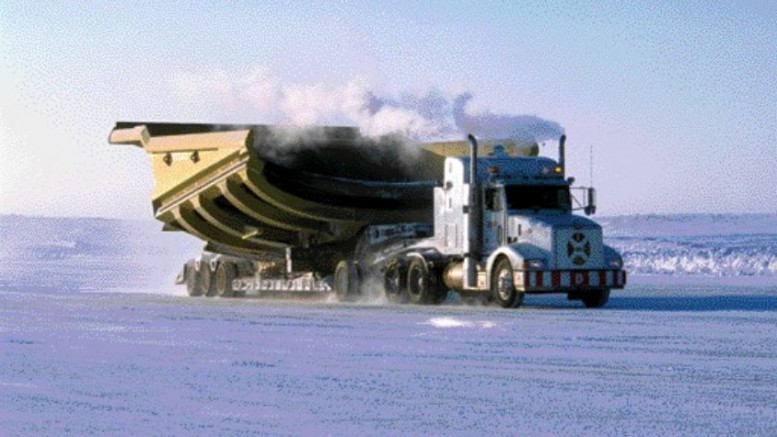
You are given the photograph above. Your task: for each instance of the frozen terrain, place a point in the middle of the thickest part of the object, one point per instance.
(94, 340)
(696, 245)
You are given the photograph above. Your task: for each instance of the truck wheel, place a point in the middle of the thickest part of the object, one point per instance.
(193, 286)
(346, 281)
(595, 298)
(502, 287)
(226, 272)
(207, 287)
(395, 281)
(423, 285)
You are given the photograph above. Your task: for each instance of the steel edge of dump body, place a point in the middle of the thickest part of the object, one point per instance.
(218, 200)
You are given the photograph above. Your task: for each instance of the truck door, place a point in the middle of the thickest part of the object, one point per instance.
(493, 219)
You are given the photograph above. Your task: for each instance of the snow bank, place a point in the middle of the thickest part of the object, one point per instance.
(712, 245)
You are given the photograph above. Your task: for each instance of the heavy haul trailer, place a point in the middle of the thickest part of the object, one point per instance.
(325, 209)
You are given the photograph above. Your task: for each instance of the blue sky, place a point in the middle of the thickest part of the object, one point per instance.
(678, 99)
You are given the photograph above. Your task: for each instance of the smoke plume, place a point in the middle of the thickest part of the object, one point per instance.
(425, 117)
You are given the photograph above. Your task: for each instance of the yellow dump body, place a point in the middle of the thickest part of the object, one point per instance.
(247, 190)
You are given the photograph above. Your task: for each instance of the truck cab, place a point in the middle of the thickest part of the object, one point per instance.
(525, 228)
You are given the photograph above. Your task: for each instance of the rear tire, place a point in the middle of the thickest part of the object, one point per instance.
(207, 285)
(346, 281)
(226, 272)
(503, 290)
(193, 286)
(595, 298)
(395, 281)
(424, 285)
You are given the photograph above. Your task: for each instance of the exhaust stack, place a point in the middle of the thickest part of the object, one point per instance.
(474, 225)
(561, 152)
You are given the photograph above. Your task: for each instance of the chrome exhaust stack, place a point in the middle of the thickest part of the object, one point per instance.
(474, 242)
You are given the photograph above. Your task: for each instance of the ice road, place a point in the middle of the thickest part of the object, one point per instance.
(659, 360)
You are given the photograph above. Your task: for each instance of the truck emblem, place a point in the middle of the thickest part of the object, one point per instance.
(578, 248)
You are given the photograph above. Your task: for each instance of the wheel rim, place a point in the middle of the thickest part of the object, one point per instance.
(504, 284)
(416, 281)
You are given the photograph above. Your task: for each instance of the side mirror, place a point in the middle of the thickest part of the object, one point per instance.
(590, 207)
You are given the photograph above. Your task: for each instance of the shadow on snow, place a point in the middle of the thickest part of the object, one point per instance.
(695, 303)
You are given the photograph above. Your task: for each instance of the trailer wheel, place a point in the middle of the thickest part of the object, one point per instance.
(193, 286)
(423, 284)
(207, 287)
(595, 298)
(395, 280)
(226, 272)
(502, 287)
(346, 281)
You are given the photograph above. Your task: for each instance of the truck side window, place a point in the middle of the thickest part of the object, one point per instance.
(493, 200)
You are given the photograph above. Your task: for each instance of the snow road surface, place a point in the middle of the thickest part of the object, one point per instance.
(658, 361)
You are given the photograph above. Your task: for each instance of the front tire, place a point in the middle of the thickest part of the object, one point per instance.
(503, 290)
(596, 298)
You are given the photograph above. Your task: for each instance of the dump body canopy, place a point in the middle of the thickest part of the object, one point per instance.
(249, 189)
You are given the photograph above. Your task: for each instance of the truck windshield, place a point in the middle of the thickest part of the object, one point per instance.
(537, 197)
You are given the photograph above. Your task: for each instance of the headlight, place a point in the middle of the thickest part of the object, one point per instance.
(533, 264)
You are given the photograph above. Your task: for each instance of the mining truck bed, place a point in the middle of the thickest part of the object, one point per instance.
(246, 190)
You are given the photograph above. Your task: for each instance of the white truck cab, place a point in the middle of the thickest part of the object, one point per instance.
(517, 221)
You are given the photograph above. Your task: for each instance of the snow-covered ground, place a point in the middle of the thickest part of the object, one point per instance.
(696, 245)
(94, 340)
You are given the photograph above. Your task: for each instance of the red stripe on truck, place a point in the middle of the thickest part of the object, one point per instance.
(548, 279)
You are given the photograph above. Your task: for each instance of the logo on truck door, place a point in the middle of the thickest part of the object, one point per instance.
(578, 248)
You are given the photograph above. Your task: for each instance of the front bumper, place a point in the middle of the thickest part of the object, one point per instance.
(568, 280)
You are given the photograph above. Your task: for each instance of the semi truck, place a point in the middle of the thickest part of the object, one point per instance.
(326, 210)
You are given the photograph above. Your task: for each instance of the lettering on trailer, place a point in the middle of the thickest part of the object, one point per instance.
(578, 248)
(281, 285)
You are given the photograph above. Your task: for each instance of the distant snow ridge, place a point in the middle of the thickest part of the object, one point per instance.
(731, 245)
(736, 257)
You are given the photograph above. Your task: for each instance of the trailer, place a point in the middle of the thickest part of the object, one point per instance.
(325, 210)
